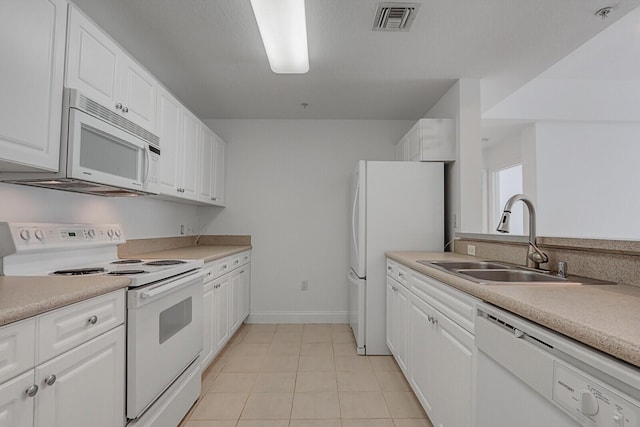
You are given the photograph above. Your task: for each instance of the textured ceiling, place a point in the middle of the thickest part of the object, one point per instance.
(209, 53)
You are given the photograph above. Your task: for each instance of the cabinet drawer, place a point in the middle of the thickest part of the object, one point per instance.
(240, 259)
(209, 271)
(223, 266)
(17, 348)
(65, 328)
(457, 305)
(398, 272)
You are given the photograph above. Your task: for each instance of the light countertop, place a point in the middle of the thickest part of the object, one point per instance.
(205, 252)
(605, 317)
(26, 296)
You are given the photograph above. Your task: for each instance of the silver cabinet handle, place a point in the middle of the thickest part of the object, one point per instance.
(125, 109)
(32, 391)
(214, 198)
(50, 380)
(119, 106)
(93, 319)
(401, 274)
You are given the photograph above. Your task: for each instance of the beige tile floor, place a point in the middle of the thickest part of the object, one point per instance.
(303, 376)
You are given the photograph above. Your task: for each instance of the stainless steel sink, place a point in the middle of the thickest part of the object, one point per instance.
(467, 265)
(512, 276)
(503, 273)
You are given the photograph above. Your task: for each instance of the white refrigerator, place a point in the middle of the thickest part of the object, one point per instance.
(397, 206)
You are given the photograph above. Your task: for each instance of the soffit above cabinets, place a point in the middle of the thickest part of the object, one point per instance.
(211, 56)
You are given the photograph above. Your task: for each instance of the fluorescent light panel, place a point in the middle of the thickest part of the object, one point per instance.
(283, 27)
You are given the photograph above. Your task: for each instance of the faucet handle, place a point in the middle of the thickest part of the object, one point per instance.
(562, 269)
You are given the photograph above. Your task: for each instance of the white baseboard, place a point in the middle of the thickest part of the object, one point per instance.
(299, 317)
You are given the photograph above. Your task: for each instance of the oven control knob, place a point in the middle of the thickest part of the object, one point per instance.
(118, 232)
(91, 233)
(110, 232)
(588, 403)
(25, 234)
(39, 234)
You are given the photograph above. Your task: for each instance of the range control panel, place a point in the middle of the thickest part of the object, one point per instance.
(33, 237)
(588, 400)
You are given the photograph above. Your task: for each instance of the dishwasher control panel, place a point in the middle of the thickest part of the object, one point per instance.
(588, 399)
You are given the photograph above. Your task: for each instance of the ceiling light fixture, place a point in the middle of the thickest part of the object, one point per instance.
(283, 27)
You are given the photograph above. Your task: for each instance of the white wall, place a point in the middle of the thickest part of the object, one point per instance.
(288, 186)
(140, 217)
(464, 177)
(587, 179)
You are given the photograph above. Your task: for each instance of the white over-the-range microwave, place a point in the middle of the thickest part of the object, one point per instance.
(101, 152)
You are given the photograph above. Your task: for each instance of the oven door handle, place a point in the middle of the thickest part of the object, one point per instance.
(166, 288)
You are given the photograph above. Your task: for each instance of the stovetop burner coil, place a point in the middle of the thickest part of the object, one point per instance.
(165, 262)
(127, 261)
(79, 271)
(126, 272)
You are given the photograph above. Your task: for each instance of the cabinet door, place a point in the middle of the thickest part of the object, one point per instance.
(391, 315)
(453, 376)
(220, 193)
(170, 133)
(32, 46)
(245, 272)
(189, 155)
(401, 326)
(94, 61)
(207, 165)
(221, 311)
(16, 407)
(421, 354)
(139, 91)
(89, 385)
(209, 323)
(235, 303)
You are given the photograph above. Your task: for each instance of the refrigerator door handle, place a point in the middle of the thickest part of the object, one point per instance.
(353, 221)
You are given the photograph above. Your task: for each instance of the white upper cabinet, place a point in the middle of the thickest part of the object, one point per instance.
(188, 167)
(101, 70)
(207, 165)
(220, 187)
(431, 140)
(170, 133)
(32, 46)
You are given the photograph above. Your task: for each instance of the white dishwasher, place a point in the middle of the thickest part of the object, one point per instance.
(529, 376)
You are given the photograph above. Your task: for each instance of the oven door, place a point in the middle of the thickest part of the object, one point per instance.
(164, 335)
(102, 153)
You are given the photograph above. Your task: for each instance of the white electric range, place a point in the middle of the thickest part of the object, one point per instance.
(164, 308)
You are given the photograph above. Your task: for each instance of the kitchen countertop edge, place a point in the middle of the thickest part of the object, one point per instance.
(22, 297)
(207, 253)
(603, 337)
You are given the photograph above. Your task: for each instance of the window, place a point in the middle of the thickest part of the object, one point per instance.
(506, 183)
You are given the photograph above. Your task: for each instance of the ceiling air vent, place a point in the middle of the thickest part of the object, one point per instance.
(395, 16)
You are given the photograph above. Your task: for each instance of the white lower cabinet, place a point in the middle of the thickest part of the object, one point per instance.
(226, 302)
(80, 386)
(430, 329)
(16, 407)
(86, 383)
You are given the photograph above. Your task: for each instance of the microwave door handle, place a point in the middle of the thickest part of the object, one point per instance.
(147, 160)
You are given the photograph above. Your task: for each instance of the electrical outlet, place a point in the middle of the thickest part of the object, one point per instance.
(471, 249)
(182, 229)
(455, 221)
(304, 285)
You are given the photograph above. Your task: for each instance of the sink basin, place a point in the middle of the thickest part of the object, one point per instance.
(467, 265)
(503, 273)
(512, 276)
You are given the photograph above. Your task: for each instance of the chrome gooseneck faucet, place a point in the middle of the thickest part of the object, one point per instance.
(535, 256)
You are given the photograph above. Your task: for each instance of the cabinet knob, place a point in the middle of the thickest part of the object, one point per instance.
(32, 391)
(119, 106)
(241, 271)
(214, 198)
(93, 319)
(125, 109)
(50, 380)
